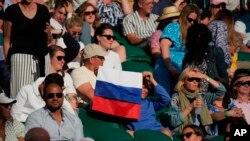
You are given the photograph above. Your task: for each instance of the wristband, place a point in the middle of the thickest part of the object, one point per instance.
(208, 79)
(225, 114)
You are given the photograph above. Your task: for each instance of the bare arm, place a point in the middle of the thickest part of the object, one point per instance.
(86, 90)
(6, 39)
(165, 45)
(133, 39)
(21, 139)
(126, 7)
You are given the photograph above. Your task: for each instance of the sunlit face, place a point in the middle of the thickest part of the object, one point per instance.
(97, 61)
(90, 14)
(192, 19)
(53, 97)
(75, 31)
(190, 135)
(242, 85)
(60, 15)
(105, 40)
(57, 61)
(191, 82)
(146, 5)
(5, 111)
(144, 92)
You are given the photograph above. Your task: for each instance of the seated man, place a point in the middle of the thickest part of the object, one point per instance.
(60, 124)
(147, 118)
(29, 98)
(84, 78)
(140, 25)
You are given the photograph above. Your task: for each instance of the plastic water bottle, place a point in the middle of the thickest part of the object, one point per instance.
(198, 109)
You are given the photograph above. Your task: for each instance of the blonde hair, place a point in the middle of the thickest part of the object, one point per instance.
(183, 76)
(183, 19)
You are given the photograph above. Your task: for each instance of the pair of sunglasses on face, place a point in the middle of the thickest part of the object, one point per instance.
(52, 95)
(90, 12)
(187, 135)
(76, 33)
(243, 83)
(192, 21)
(59, 58)
(191, 79)
(109, 37)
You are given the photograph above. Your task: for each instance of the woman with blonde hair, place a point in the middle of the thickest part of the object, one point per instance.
(168, 65)
(185, 103)
(89, 14)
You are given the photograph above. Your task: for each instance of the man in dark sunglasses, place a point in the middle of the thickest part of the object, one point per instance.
(60, 124)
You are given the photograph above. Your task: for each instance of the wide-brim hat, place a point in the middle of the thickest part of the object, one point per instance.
(217, 2)
(169, 12)
(5, 100)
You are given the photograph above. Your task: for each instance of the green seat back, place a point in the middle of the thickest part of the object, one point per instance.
(111, 134)
(150, 135)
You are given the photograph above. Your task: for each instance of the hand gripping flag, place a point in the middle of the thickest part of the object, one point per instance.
(118, 93)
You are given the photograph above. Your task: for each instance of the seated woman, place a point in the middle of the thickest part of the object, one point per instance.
(240, 86)
(192, 133)
(104, 37)
(10, 129)
(184, 102)
(222, 110)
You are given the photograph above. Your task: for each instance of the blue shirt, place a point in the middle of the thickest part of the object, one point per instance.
(147, 118)
(70, 128)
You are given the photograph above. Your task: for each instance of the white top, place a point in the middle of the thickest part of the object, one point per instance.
(29, 99)
(83, 75)
(112, 60)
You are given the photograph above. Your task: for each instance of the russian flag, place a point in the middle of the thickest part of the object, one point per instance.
(118, 93)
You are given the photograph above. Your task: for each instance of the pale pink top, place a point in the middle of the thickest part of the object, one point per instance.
(155, 39)
(245, 106)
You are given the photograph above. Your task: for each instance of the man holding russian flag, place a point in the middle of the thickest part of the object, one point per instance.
(124, 94)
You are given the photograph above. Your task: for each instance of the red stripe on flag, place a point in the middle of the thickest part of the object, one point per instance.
(116, 108)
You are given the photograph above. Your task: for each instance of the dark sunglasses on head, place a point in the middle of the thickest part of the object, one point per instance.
(187, 135)
(192, 21)
(59, 58)
(191, 79)
(90, 12)
(52, 95)
(241, 83)
(109, 37)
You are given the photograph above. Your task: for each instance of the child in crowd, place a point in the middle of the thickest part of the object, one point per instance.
(147, 118)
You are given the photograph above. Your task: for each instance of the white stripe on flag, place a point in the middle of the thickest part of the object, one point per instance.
(118, 77)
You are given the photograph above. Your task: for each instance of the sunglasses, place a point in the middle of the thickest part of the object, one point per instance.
(241, 83)
(222, 5)
(73, 33)
(192, 21)
(90, 12)
(6, 105)
(59, 58)
(52, 95)
(187, 135)
(191, 79)
(109, 37)
(100, 57)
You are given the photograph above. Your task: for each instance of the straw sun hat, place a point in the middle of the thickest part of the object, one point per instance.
(168, 12)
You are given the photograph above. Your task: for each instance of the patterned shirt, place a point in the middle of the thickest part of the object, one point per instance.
(220, 38)
(110, 13)
(14, 130)
(143, 29)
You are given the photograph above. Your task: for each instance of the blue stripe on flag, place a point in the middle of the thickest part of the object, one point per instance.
(109, 90)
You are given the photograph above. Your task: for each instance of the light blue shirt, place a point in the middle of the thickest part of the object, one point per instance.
(70, 128)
